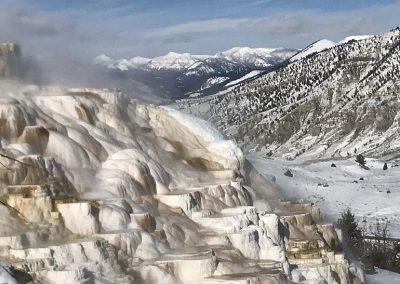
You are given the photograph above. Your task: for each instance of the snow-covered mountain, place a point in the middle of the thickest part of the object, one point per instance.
(178, 75)
(323, 44)
(243, 56)
(339, 101)
(255, 57)
(315, 47)
(97, 187)
(173, 60)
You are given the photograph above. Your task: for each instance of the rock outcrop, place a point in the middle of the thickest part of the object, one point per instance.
(9, 60)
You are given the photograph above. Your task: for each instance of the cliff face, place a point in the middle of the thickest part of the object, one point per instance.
(9, 60)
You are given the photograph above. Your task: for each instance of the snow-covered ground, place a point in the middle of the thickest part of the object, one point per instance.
(249, 75)
(383, 277)
(213, 81)
(334, 189)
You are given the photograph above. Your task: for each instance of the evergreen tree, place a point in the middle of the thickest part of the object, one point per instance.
(349, 226)
(361, 160)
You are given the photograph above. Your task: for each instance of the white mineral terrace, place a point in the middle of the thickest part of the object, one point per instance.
(98, 188)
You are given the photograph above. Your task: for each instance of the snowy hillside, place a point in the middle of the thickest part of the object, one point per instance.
(372, 194)
(323, 44)
(244, 78)
(334, 103)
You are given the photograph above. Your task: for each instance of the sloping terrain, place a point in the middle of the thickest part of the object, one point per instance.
(334, 103)
(371, 194)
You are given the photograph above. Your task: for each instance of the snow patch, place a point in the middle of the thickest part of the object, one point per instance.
(245, 77)
(356, 37)
(317, 46)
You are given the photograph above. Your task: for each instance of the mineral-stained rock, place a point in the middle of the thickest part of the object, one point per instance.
(96, 186)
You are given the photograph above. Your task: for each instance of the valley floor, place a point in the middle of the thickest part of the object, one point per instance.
(373, 194)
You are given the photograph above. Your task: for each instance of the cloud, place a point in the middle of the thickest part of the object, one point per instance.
(126, 29)
(177, 39)
(36, 25)
(20, 21)
(198, 26)
(292, 28)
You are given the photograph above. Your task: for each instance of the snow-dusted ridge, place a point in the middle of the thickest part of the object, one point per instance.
(245, 56)
(357, 37)
(324, 44)
(259, 57)
(317, 46)
(180, 75)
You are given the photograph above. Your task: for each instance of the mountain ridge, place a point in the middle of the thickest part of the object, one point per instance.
(292, 111)
(247, 56)
(179, 75)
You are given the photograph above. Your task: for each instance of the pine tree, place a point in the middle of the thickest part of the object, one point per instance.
(349, 226)
(361, 160)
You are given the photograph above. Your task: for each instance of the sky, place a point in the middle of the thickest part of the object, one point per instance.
(81, 30)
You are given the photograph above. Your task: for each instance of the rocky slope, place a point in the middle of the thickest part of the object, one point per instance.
(9, 59)
(337, 102)
(180, 75)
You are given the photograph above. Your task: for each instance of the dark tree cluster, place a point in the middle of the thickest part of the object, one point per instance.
(372, 244)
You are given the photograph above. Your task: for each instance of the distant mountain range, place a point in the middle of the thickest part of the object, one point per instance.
(244, 56)
(327, 100)
(180, 75)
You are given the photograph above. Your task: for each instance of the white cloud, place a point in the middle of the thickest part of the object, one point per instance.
(288, 28)
(84, 33)
(199, 26)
